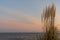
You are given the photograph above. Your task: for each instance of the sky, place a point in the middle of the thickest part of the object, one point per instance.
(25, 15)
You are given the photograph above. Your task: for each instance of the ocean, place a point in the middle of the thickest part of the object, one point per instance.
(21, 36)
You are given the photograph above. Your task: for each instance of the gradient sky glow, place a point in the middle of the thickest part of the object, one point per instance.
(24, 15)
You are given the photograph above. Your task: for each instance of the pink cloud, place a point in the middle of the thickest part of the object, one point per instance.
(15, 25)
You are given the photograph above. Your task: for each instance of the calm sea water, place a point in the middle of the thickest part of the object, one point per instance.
(21, 36)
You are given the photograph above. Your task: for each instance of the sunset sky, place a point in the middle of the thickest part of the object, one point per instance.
(25, 15)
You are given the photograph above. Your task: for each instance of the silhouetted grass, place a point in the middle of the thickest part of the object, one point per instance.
(48, 18)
